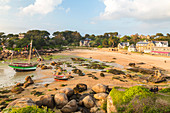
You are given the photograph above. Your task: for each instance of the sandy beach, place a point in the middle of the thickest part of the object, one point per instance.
(122, 59)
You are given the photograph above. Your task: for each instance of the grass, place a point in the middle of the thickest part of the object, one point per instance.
(28, 109)
(139, 99)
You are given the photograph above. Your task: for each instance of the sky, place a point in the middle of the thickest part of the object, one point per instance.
(126, 17)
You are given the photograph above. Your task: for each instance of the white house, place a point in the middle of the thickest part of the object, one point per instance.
(161, 43)
(132, 48)
(123, 45)
(85, 42)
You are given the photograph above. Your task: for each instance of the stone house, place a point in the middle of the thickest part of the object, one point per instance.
(149, 45)
(141, 46)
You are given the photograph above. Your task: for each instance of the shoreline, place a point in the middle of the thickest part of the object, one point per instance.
(107, 80)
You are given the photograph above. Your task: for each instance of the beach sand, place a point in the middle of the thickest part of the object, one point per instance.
(122, 59)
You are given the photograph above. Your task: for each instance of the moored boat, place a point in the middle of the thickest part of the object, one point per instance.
(61, 78)
(24, 66)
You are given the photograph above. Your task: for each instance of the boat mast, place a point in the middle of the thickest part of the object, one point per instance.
(30, 52)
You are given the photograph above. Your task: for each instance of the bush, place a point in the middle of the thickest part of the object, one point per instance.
(28, 109)
(133, 91)
(100, 46)
(165, 90)
(138, 99)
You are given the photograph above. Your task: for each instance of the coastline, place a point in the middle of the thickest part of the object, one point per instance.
(121, 59)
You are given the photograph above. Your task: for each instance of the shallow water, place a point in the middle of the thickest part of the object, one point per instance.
(9, 77)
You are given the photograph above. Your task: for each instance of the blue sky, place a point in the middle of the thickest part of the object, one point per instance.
(86, 16)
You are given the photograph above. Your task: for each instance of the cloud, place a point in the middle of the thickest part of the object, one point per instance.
(92, 22)
(41, 7)
(67, 10)
(4, 5)
(139, 9)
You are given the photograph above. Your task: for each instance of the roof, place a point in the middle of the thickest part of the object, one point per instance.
(124, 43)
(141, 42)
(162, 42)
(132, 46)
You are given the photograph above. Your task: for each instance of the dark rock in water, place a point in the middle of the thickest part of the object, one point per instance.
(115, 71)
(27, 78)
(47, 100)
(128, 75)
(36, 93)
(70, 107)
(17, 89)
(142, 70)
(4, 91)
(26, 84)
(28, 81)
(140, 63)
(19, 84)
(102, 75)
(94, 77)
(132, 64)
(46, 85)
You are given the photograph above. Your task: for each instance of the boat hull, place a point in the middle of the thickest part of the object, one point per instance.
(23, 67)
(60, 79)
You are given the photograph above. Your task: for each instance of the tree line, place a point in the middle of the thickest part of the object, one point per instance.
(42, 40)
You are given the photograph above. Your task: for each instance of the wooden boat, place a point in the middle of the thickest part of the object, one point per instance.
(24, 66)
(61, 78)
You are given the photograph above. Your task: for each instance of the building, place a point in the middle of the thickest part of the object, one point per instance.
(141, 46)
(146, 46)
(131, 48)
(122, 45)
(165, 51)
(21, 36)
(85, 42)
(161, 43)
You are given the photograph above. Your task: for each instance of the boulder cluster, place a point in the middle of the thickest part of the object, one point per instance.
(69, 100)
(19, 87)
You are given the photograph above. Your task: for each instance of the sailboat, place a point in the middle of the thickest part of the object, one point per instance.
(24, 66)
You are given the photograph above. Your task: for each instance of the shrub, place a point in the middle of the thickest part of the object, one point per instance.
(165, 90)
(100, 46)
(28, 109)
(138, 99)
(133, 91)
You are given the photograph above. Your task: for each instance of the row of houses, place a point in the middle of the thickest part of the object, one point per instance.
(153, 47)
